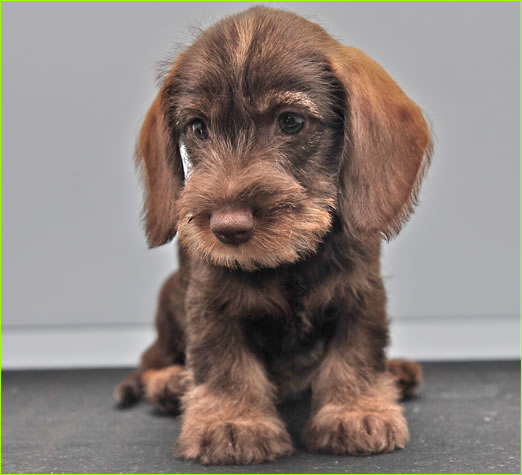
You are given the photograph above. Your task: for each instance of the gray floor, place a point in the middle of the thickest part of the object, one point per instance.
(466, 419)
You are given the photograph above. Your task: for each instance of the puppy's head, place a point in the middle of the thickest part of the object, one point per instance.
(264, 131)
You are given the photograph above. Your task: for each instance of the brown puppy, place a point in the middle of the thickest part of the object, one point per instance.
(282, 159)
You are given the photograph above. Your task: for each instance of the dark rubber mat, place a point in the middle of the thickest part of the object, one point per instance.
(465, 419)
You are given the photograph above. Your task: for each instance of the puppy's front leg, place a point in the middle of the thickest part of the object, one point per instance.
(229, 414)
(355, 406)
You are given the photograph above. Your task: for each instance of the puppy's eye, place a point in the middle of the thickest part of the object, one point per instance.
(199, 129)
(291, 123)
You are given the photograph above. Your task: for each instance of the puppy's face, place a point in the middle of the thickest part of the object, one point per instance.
(250, 149)
(260, 135)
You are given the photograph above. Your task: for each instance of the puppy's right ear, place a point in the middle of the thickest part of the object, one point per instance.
(157, 156)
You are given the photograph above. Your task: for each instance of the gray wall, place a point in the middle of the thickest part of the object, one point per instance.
(77, 80)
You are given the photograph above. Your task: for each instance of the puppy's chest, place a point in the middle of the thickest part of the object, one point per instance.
(299, 327)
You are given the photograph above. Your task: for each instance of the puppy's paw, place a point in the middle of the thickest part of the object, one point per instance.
(129, 391)
(164, 387)
(407, 375)
(238, 441)
(355, 431)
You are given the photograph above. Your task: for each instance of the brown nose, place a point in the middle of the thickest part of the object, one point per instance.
(232, 226)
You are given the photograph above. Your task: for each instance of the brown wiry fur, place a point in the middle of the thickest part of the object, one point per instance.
(228, 430)
(301, 303)
(362, 424)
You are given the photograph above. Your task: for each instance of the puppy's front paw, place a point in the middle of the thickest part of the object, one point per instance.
(341, 429)
(237, 441)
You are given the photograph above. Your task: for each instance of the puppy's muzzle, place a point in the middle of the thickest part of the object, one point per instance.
(232, 226)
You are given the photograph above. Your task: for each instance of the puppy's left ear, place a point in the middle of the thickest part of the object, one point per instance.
(387, 147)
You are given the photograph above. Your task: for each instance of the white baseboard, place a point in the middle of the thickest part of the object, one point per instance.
(456, 338)
(419, 338)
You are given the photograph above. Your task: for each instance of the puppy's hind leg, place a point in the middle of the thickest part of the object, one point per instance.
(129, 391)
(156, 369)
(161, 371)
(164, 387)
(407, 376)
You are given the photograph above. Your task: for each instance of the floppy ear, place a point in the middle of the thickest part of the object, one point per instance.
(386, 150)
(157, 156)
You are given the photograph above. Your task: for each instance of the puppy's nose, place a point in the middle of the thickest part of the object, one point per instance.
(232, 226)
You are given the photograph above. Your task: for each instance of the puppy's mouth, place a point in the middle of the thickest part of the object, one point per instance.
(239, 238)
(251, 218)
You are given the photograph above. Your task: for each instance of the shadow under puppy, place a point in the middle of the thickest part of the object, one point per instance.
(282, 159)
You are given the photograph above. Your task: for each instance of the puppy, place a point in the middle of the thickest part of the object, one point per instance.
(281, 159)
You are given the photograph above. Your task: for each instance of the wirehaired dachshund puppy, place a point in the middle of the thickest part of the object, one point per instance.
(281, 159)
